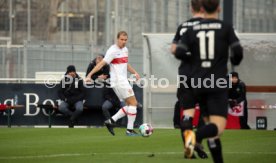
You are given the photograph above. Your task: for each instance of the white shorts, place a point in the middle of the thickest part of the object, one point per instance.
(123, 91)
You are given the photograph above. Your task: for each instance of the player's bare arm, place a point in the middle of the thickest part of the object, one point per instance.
(173, 48)
(94, 70)
(133, 71)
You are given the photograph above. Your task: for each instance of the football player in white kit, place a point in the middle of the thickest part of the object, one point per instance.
(117, 57)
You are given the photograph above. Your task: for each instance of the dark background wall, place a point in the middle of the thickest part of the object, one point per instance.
(32, 94)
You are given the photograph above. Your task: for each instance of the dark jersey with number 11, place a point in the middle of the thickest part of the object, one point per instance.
(184, 68)
(206, 47)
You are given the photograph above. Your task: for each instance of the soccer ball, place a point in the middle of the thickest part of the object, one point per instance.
(146, 130)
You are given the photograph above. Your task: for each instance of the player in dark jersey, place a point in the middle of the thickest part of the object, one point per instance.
(197, 16)
(205, 46)
(186, 103)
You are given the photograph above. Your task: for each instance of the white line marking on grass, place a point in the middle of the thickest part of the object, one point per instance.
(117, 153)
(261, 153)
(45, 156)
(62, 126)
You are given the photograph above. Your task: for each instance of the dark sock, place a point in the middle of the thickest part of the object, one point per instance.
(182, 136)
(112, 121)
(216, 150)
(206, 131)
(186, 124)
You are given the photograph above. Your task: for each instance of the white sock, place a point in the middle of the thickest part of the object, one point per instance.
(120, 114)
(131, 116)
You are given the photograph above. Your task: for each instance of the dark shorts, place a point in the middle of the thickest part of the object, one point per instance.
(186, 97)
(213, 102)
(185, 101)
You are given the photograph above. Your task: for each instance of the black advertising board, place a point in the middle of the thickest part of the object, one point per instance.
(30, 95)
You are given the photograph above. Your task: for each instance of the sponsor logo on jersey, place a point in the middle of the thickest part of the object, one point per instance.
(120, 60)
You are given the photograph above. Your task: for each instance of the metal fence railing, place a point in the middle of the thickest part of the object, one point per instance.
(24, 61)
(86, 21)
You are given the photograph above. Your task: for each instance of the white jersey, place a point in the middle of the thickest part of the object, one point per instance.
(117, 58)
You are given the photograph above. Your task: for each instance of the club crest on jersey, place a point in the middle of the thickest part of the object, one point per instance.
(182, 31)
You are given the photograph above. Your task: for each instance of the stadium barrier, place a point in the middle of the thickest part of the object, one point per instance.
(31, 95)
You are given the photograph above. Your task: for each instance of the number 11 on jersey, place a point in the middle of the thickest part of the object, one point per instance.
(202, 47)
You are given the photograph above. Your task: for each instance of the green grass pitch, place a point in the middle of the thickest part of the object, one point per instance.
(97, 145)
